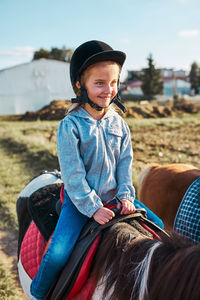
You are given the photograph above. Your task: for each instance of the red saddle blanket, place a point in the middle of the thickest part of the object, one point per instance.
(32, 250)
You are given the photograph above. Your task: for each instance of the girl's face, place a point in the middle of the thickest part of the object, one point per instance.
(101, 82)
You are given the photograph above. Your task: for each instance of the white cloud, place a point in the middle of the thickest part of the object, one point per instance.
(189, 33)
(26, 52)
(125, 41)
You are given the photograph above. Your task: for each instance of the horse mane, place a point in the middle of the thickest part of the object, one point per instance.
(132, 266)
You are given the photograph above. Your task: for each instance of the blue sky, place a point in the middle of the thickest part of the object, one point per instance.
(169, 29)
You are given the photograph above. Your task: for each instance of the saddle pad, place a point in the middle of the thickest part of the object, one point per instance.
(32, 249)
(187, 221)
(42, 208)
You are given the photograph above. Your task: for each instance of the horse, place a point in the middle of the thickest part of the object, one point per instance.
(132, 267)
(130, 261)
(162, 187)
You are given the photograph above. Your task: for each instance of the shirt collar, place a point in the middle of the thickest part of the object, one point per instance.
(82, 113)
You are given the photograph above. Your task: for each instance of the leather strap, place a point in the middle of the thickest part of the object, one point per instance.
(86, 99)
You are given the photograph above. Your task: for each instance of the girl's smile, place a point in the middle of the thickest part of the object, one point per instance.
(101, 83)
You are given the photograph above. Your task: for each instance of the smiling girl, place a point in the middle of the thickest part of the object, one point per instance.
(95, 155)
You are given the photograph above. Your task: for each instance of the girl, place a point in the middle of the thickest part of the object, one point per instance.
(95, 155)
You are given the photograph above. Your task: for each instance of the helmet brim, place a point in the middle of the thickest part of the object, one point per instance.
(110, 55)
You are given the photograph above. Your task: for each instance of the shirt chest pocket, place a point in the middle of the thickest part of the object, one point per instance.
(114, 137)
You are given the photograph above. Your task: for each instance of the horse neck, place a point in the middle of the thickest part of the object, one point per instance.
(134, 269)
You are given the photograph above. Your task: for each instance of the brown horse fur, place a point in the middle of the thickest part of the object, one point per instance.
(146, 269)
(161, 188)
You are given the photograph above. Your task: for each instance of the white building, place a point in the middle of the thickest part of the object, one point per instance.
(171, 72)
(30, 86)
(174, 82)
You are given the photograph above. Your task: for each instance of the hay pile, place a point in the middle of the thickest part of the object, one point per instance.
(149, 110)
(57, 109)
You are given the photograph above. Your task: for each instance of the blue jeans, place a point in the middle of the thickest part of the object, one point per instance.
(150, 215)
(67, 231)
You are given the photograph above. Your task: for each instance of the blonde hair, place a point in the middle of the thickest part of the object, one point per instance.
(83, 78)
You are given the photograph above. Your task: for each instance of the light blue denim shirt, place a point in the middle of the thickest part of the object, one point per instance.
(95, 159)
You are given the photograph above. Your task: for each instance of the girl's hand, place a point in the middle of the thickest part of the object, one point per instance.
(127, 207)
(103, 215)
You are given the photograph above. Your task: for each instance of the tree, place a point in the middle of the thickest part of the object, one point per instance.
(55, 53)
(194, 77)
(152, 83)
(42, 53)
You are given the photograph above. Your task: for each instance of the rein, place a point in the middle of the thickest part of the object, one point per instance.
(138, 215)
(120, 218)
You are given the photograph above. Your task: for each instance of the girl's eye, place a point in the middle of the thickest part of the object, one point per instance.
(99, 83)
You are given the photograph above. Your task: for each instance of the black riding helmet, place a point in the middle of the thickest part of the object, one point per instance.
(86, 55)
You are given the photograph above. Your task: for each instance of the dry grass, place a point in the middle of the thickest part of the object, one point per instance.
(170, 140)
(8, 289)
(27, 148)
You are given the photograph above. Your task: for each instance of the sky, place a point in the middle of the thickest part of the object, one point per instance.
(168, 29)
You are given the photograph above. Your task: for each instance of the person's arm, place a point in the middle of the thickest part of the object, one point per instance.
(125, 189)
(73, 171)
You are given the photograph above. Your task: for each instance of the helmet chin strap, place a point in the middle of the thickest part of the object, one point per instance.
(86, 99)
(117, 101)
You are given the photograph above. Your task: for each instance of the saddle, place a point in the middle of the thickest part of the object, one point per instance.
(72, 279)
(44, 206)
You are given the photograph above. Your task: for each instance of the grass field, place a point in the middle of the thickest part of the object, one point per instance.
(27, 148)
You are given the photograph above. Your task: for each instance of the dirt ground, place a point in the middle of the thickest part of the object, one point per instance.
(159, 143)
(8, 254)
(57, 109)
